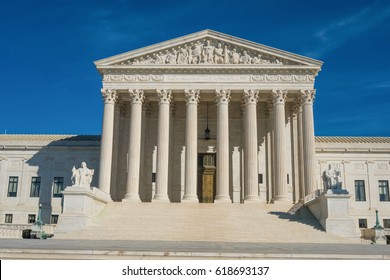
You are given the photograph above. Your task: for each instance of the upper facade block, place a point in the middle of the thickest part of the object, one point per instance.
(207, 58)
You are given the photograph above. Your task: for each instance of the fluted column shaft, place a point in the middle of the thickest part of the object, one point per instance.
(250, 99)
(191, 154)
(279, 99)
(165, 97)
(307, 97)
(301, 165)
(133, 167)
(109, 97)
(222, 98)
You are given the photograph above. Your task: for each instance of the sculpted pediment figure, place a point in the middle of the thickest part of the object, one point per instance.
(207, 48)
(205, 51)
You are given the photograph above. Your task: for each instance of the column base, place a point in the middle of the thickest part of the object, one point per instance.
(222, 199)
(281, 198)
(190, 198)
(252, 199)
(161, 198)
(132, 198)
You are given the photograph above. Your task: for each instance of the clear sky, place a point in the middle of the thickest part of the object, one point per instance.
(49, 83)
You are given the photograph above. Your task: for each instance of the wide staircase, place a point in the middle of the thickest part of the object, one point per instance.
(280, 222)
(206, 222)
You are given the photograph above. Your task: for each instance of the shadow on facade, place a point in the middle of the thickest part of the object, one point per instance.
(55, 160)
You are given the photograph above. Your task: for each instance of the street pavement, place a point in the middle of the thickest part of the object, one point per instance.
(111, 249)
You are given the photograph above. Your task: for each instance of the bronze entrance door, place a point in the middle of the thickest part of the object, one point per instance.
(206, 177)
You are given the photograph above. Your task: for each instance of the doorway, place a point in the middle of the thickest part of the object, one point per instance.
(206, 178)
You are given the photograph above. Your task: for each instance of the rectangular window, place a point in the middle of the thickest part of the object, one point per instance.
(12, 186)
(54, 219)
(386, 223)
(58, 186)
(35, 186)
(31, 218)
(8, 218)
(360, 191)
(384, 190)
(362, 223)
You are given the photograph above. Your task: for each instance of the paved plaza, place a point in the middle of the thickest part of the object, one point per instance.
(109, 249)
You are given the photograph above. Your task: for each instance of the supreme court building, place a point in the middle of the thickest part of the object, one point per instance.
(208, 117)
(204, 118)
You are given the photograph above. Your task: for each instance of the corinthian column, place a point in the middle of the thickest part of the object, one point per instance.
(133, 167)
(301, 165)
(109, 97)
(279, 99)
(165, 97)
(222, 98)
(307, 99)
(250, 99)
(191, 155)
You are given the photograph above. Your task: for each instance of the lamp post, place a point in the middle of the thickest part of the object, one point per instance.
(377, 224)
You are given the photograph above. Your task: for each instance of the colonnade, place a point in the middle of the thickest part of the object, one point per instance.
(222, 99)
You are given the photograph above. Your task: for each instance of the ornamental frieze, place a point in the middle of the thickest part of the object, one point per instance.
(206, 51)
(265, 78)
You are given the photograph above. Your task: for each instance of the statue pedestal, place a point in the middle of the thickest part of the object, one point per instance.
(332, 211)
(379, 236)
(80, 205)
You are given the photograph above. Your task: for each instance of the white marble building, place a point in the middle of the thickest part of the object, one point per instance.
(202, 118)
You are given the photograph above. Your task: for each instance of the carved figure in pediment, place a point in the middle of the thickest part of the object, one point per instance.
(258, 60)
(143, 60)
(158, 59)
(245, 58)
(219, 55)
(196, 53)
(276, 61)
(234, 57)
(171, 58)
(182, 56)
(208, 53)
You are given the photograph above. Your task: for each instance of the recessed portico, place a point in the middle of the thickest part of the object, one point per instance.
(247, 94)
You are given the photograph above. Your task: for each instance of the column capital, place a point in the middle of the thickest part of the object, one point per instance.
(279, 96)
(297, 105)
(192, 96)
(164, 96)
(307, 96)
(109, 95)
(136, 96)
(222, 96)
(250, 96)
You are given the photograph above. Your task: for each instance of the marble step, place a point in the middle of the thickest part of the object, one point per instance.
(204, 222)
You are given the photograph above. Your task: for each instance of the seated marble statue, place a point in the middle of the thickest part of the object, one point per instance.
(331, 178)
(82, 177)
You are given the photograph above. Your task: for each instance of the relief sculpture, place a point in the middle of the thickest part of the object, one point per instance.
(206, 51)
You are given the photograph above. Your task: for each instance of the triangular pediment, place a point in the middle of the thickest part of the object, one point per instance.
(207, 48)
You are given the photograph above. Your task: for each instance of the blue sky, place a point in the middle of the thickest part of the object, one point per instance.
(49, 83)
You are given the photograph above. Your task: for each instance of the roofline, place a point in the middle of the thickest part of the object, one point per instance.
(206, 32)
